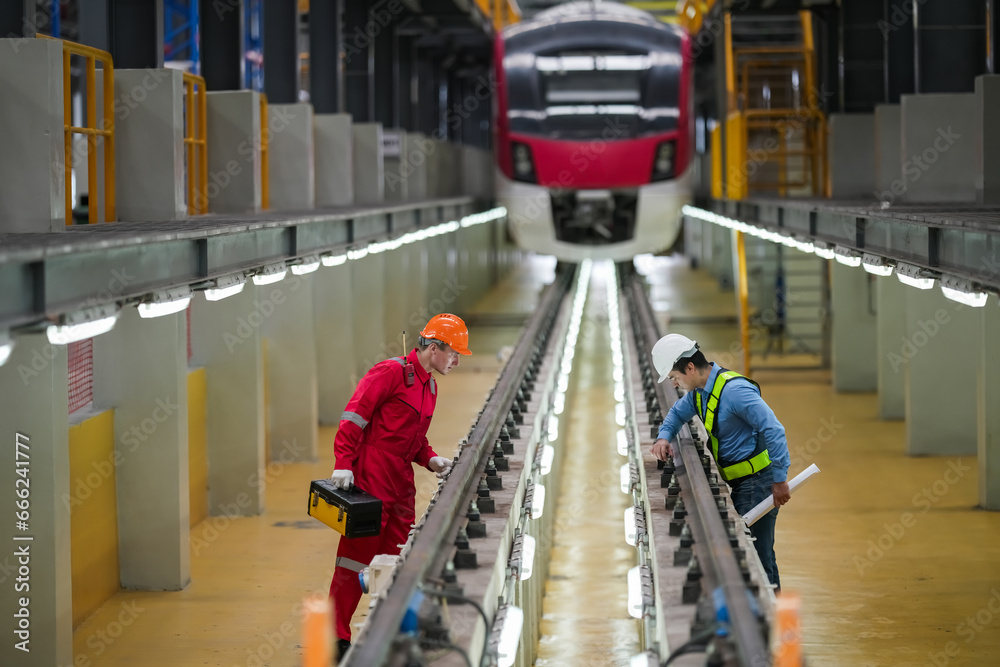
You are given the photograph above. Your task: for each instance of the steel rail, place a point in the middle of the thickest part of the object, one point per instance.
(716, 555)
(429, 548)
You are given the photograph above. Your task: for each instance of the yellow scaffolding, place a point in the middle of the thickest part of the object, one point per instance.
(91, 129)
(758, 132)
(195, 143)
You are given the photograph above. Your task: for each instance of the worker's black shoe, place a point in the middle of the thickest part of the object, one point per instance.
(342, 646)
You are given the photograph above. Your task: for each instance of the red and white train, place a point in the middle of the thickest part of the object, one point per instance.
(593, 131)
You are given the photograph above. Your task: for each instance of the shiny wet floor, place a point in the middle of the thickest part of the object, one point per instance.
(893, 562)
(585, 619)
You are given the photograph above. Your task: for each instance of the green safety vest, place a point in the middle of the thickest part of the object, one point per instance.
(760, 459)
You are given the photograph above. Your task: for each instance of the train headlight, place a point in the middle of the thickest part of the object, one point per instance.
(524, 165)
(663, 161)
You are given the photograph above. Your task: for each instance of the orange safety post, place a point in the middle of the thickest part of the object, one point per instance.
(91, 129)
(317, 632)
(265, 171)
(196, 143)
(788, 645)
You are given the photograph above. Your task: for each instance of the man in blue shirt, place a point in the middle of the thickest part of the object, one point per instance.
(746, 439)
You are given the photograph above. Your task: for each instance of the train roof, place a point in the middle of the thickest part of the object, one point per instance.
(588, 10)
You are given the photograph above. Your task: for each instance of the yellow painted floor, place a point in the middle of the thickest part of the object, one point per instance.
(889, 574)
(249, 575)
(893, 562)
(584, 613)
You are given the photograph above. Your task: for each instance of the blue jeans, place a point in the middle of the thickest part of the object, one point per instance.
(747, 492)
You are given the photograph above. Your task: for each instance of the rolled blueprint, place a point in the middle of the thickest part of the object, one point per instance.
(766, 505)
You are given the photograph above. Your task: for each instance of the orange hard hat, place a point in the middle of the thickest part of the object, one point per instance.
(449, 329)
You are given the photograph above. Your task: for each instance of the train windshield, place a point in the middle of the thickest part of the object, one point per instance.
(592, 93)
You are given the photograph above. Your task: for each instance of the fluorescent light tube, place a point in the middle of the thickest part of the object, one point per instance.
(270, 274)
(527, 557)
(333, 260)
(152, 309)
(219, 293)
(847, 257)
(635, 593)
(538, 501)
(919, 283)
(548, 455)
(6, 347)
(974, 299)
(625, 478)
(914, 276)
(510, 636)
(630, 526)
(308, 265)
(875, 265)
(71, 333)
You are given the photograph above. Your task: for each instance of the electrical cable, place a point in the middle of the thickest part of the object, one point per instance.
(455, 597)
(695, 644)
(448, 647)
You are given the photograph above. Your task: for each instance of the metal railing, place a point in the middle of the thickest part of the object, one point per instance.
(775, 130)
(91, 129)
(196, 143)
(265, 168)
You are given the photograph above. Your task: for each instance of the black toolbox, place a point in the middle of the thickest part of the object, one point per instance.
(351, 513)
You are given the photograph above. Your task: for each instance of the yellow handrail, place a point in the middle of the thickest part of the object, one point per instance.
(91, 129)
(265, 171)
(196, 143)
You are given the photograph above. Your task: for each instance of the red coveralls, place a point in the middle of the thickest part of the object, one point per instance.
(382, 430)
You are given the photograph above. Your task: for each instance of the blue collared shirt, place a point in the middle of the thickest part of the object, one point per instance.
(742, 417)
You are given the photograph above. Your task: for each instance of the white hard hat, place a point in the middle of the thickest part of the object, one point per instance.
(668, 350)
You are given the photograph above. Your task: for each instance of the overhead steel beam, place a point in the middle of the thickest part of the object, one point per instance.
(43, 276)
(949, 240)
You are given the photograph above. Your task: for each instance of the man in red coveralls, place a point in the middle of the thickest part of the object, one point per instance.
(382, 431)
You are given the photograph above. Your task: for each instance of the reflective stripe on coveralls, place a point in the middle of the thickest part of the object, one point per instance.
(759, 460)
(350, 564)
(354, 418)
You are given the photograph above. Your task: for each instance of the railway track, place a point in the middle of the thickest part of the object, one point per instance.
(468, 586)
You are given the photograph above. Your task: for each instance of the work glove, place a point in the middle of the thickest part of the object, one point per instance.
(440, 465)
(342, 479)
